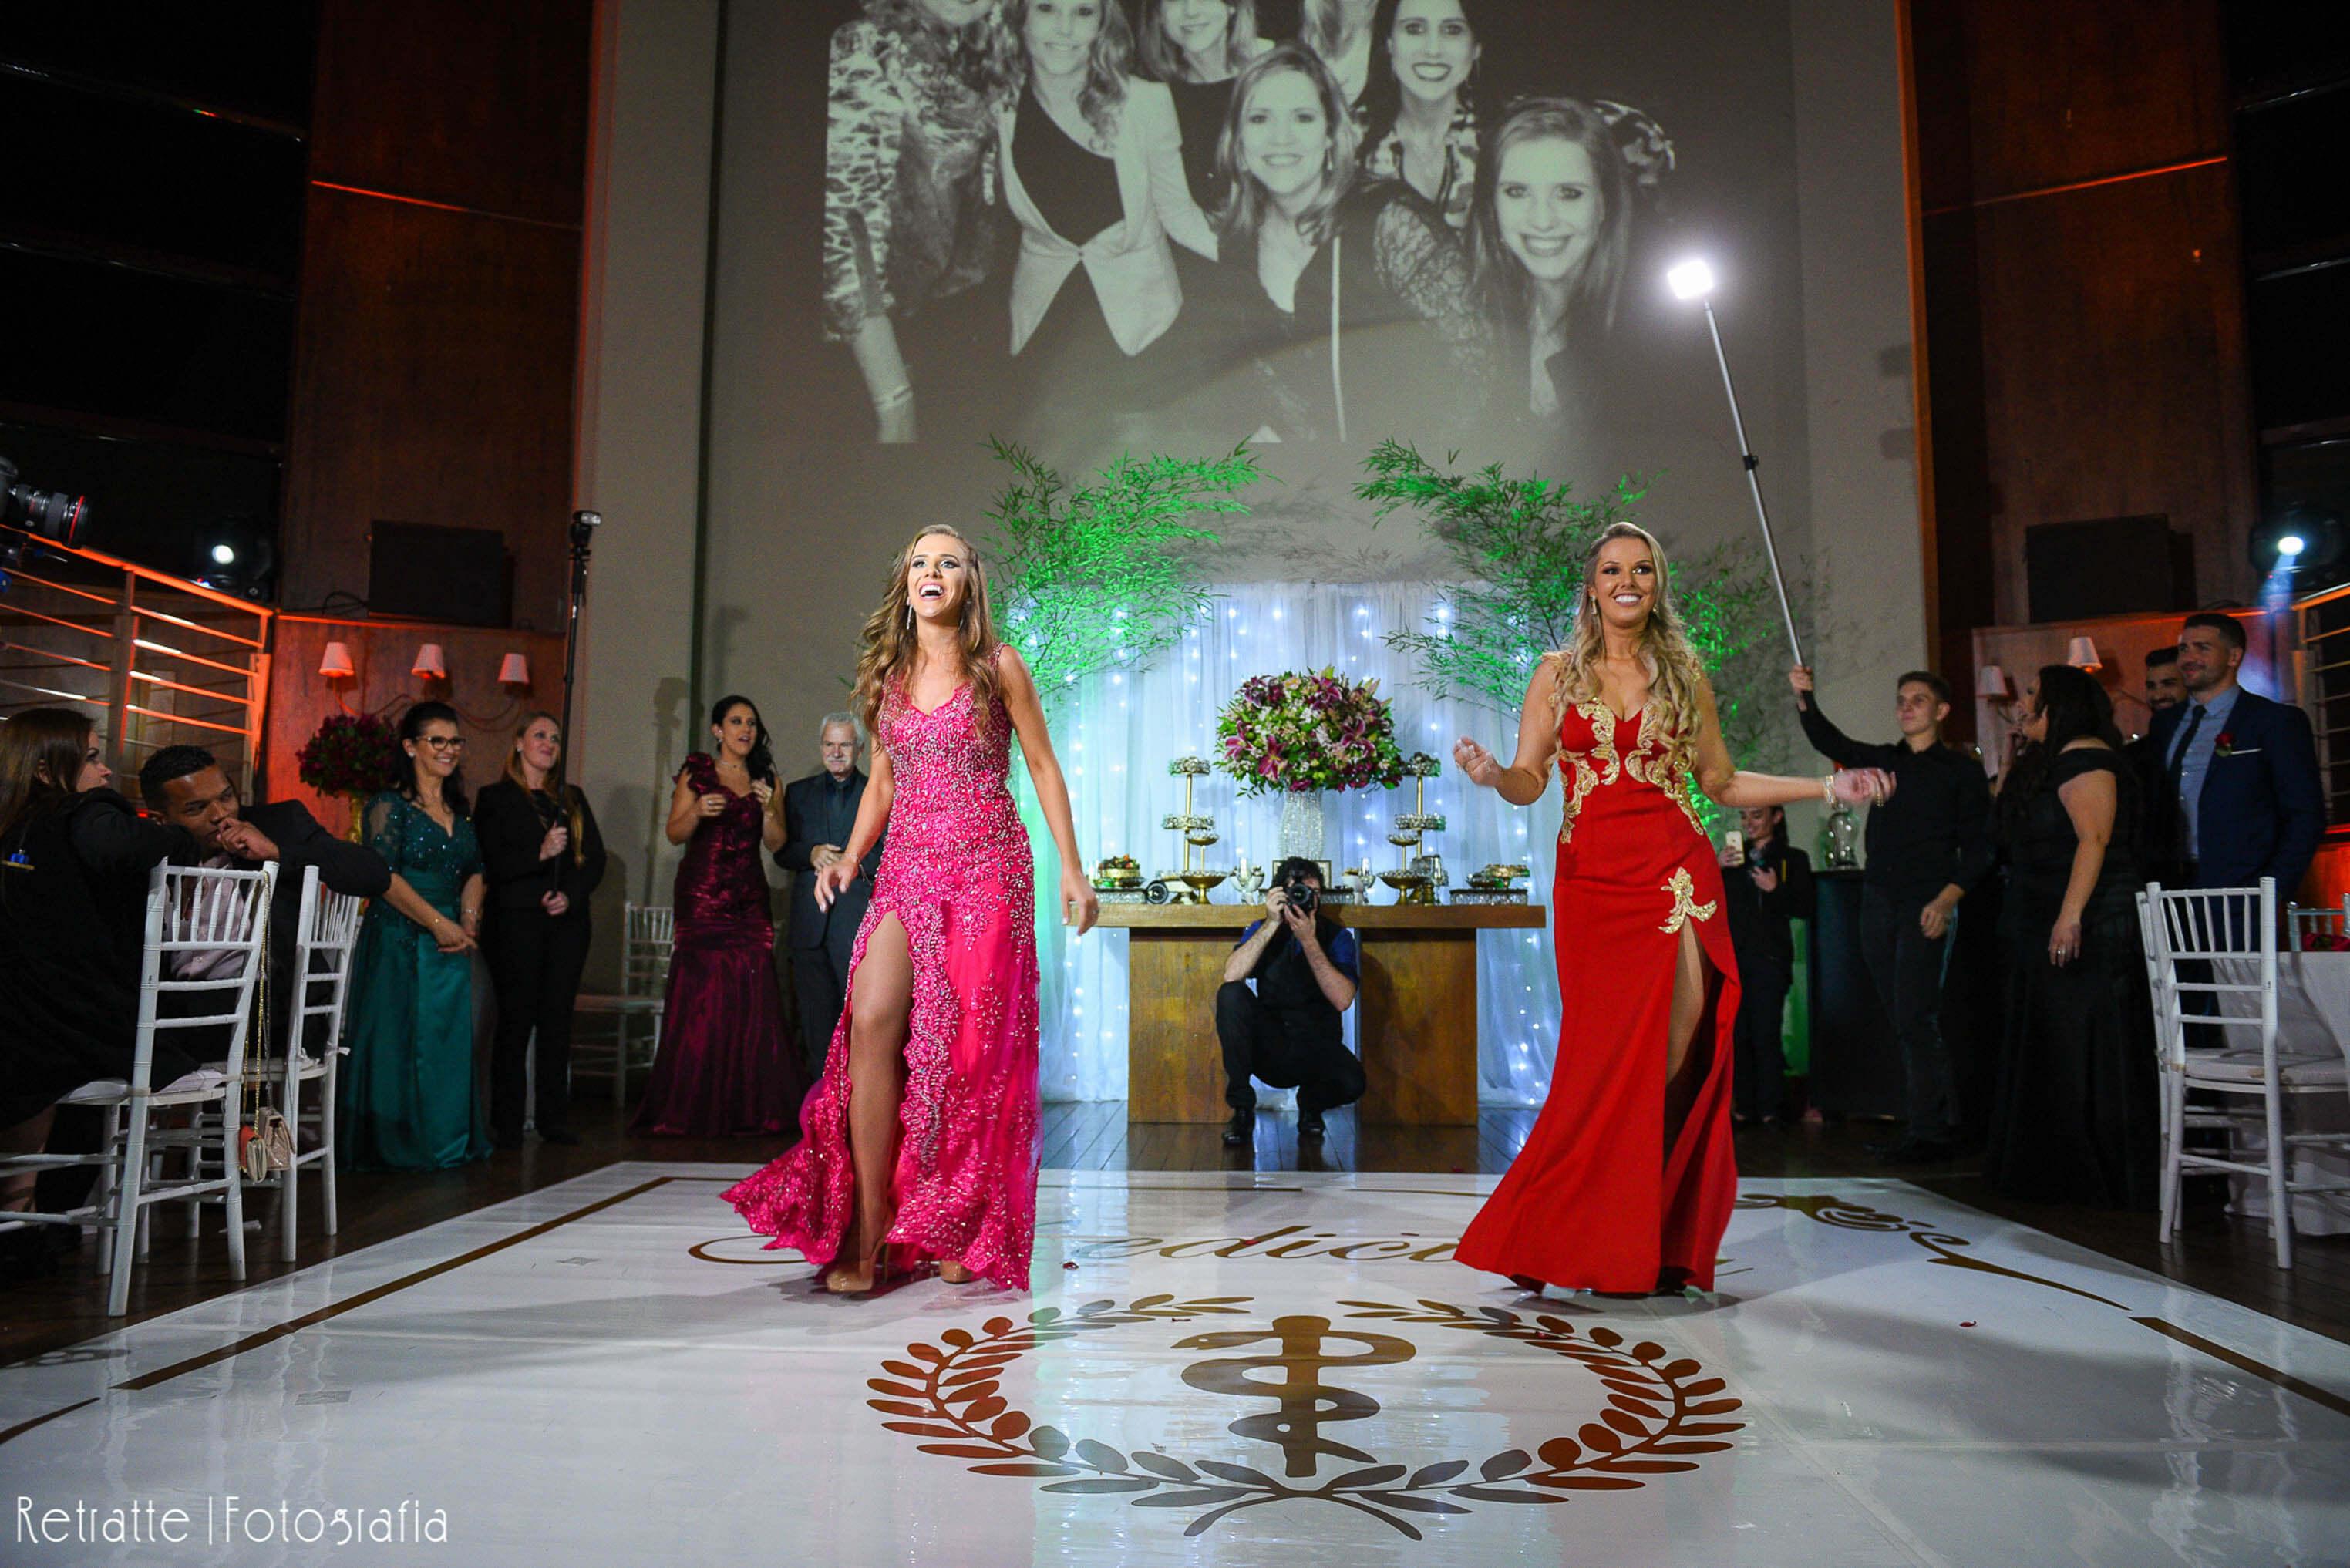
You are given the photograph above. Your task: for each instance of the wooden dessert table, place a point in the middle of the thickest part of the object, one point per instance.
(1417, 1013)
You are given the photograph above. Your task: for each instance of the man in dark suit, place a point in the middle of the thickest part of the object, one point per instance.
(2241, 768)
(186, 787)
(818, 811)
(2158, 831)
(1765, 888)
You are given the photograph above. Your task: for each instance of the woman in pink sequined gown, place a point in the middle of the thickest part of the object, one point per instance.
(919, 1141)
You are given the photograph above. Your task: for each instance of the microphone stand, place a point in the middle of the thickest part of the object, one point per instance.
(583, 533)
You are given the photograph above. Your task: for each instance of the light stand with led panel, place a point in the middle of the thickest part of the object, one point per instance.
(1693, 279)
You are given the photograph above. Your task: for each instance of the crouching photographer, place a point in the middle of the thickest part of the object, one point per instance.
(1286, 1031)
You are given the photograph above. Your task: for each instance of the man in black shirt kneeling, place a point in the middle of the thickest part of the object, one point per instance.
(1286, 1031)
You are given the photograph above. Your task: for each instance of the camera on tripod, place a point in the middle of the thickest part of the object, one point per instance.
(45, 514)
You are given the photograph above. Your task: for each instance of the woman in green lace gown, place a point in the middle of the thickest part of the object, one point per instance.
(408, 1100)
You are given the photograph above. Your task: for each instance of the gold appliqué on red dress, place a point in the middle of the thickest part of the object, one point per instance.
(1683, 888)
(1576, 766)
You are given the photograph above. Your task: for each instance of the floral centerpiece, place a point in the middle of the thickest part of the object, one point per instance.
(1301, 732)
(354, 755)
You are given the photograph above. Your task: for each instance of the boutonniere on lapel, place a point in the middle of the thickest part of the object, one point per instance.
(2225, 746)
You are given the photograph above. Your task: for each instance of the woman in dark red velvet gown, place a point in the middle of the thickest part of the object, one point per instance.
(724, 1065)
(1627, 1181)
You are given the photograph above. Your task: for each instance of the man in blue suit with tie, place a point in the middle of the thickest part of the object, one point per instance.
(2243, 769)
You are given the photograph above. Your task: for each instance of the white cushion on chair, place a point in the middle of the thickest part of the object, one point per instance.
(203, 1082)
(2244, 1068)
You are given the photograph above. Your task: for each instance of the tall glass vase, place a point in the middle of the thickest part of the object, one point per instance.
(1301, 824)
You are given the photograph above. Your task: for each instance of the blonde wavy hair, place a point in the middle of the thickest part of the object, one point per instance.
(1102, 98)
(886, 656)
(1674, 673)
(565, 798)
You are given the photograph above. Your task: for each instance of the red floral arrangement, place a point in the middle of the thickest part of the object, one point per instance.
(352, 753)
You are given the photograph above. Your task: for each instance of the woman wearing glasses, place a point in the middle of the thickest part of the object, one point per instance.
(723, 1068)
(407, 1095)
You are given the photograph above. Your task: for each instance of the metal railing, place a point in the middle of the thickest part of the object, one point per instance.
(159, 661)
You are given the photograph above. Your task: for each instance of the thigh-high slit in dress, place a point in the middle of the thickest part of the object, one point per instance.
(1596, 1200)
(956, 872)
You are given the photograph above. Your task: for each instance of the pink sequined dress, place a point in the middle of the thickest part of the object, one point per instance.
(955, 869)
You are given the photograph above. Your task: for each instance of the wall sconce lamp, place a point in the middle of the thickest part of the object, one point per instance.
(335, 668)
(429, 665)
(2083, 655)
(514, 672)
(1991, 684)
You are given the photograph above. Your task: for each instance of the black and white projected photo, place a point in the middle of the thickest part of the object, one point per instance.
(1100, 226)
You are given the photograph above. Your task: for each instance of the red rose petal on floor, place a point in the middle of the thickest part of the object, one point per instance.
(1970, 1324)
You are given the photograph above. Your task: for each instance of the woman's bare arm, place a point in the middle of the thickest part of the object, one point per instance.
(1522, 781)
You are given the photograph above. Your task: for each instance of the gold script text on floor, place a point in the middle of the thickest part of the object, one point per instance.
(1238, 1367)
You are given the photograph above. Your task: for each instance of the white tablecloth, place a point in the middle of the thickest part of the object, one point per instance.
(2313, 1015)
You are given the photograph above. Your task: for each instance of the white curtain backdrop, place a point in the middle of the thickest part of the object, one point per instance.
(1116, 734)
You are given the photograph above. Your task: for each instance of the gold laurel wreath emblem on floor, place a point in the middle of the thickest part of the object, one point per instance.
(1660, 1414)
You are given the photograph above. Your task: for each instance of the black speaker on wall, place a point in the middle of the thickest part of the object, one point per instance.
(2105, 566)
(460, 576)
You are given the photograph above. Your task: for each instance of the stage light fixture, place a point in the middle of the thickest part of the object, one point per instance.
(1691, 279)
(234, 554)
(2307, 542)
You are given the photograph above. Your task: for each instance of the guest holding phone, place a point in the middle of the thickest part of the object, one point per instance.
(1767, 884)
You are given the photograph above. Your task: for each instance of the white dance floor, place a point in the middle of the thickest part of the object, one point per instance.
(1239, 1369)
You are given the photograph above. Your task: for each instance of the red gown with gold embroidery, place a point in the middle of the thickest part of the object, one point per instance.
(1596, 1200)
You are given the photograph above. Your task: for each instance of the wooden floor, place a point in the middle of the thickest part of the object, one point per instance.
(44, 1315)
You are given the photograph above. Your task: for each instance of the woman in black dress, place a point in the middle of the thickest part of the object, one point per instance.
(545, 856)
(1093, 173)
(1197, 47)
(2075, 1120)
(73, 863)
(1332, 300)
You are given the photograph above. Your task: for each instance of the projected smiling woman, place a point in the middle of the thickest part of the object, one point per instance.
(1550, 233)
(1311, 258)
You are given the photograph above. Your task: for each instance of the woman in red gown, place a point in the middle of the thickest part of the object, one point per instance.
(725, 1068)
(1628, 1179)
(920, 1139)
